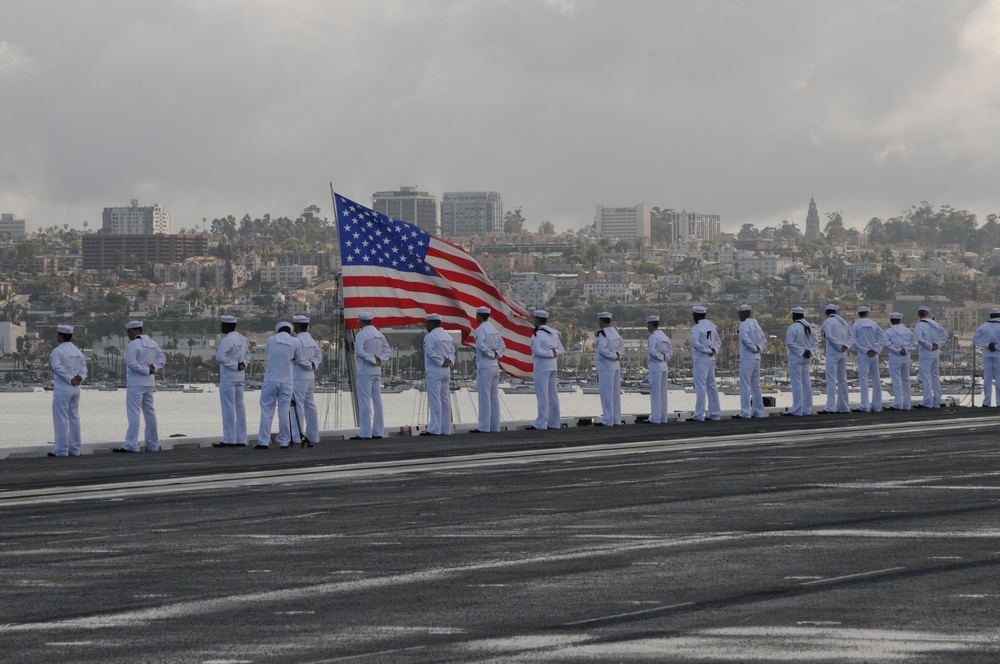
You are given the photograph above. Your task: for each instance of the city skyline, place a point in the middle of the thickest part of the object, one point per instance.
(744, 110)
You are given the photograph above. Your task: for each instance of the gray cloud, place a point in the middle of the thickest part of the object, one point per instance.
(217, 107)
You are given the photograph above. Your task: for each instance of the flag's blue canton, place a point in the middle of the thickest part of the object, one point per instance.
(369, 238)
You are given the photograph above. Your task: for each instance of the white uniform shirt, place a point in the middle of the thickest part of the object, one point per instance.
(369, 344)
(233, 349)
(310, 356)
(899, 337)
(837, 333)
(930, 332)
(752, 339)
(543, 341)
(659, 351)
(67, 362)
(705, 339)
(282, 354)
(610, 347)
(139, 354)
(489, 345)
(800, 338)
(868, 335)
(988, 332)
(438, 347)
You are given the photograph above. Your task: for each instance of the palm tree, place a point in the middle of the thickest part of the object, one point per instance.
(191, 344)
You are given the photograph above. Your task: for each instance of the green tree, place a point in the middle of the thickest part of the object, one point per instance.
(513, 222)
(547, 228)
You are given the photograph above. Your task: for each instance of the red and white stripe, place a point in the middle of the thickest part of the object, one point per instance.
(405, 298)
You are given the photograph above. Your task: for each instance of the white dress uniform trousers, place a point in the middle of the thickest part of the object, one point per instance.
(310, 357)
(67, 362)
(369, 344)
(277, 387)
(438, 347)
(610, 347)
(800, 337)
(900, 338)
(233, 349)
(752, 343)
(489, 348)
(543, 341)
(704, 340)
(140, 353)
(659, 352)
(989, 332)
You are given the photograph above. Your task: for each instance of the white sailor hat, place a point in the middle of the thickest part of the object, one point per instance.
(924, 307)
(65, 329)
(798, 310)
(300, 318)
(366, 315)
(698, 309)
(864, 310)
(895, 315)
(133, 325)
(743, 307)
(231, 320)
(433, 316)
(604, 314)
(541, 313)
(831, 307)
(282, 325)
(482, 310)
(653, 319)
(994, 312)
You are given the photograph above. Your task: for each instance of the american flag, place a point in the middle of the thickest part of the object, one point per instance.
(401, 273)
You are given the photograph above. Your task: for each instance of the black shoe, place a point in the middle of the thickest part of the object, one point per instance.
(357, 438)
(859, 410)
(476, 431)
(826, 412)
(426, 433)
(373, 438)
(52, 454)
(122, 449)
(738, 417)
(531, 427)
(600, 424)
(691, 419)
(789, 415)
(229, 444)
(260, 447)
(917, 405)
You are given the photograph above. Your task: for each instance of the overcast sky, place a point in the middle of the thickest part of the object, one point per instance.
(743, 108)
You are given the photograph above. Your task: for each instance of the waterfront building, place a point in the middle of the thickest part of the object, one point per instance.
(409, 204)
(468, 213)
(628, 224)
(137, 220)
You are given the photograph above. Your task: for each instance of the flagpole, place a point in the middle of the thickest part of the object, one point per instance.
(349, 364)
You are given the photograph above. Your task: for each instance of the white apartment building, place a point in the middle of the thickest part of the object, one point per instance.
(628, 224)
(765, 266)
(468, 213)
(137, 220)
(9, 332)
(533, 290)
(693, 226)
(288, 275)
(625, 292)
(11, 227)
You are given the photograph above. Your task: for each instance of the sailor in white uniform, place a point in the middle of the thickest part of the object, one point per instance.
(930, 337)
(705, 344)
(869, 339)
(439, 356)
(987, 337)
(658, 351)
(143, 358)
(801, 341)
(489, 349)
(900, 342)
(752, 342)
(233, 357)
(609, 350)
(838, 337)
(277, 387)
(545, 351)
(310, 357)
(372, 351)
(69, 369)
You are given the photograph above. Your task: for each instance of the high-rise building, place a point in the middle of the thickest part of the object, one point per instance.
(625, 223)
(11, 227)
(136, 220)
(467, 213)
(693, 226)
(409, 204)
(812, 221)
(105, 251)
